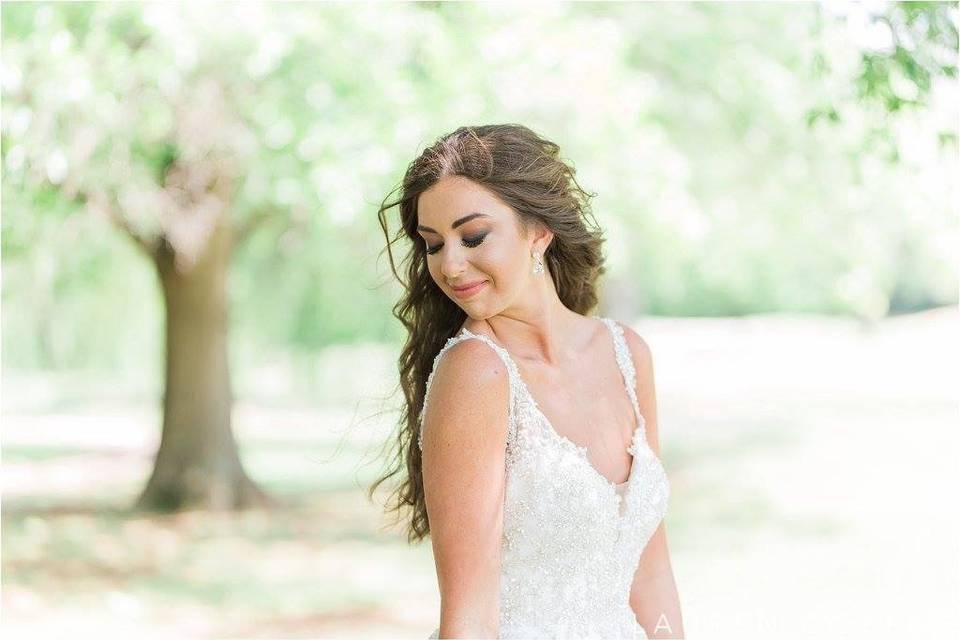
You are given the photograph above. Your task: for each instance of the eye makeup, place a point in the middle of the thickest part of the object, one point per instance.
(467, 242)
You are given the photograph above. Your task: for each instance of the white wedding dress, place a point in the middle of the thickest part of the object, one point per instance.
(571, 538)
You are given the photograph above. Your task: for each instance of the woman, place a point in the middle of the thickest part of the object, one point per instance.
(530, 437)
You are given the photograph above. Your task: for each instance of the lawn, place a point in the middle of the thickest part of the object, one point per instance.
(810, 462)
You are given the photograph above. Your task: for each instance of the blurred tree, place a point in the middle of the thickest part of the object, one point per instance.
(918, 47)
(189, 138)
(904, 90)
(904, 49)
(138, 128)
(688, 120)
(745, 198)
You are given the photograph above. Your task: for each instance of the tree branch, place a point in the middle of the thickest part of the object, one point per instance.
(245, 228)
(103, 205)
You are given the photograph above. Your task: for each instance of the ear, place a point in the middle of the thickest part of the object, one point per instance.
(542, 237)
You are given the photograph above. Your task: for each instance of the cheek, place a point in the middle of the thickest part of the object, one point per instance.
(433, 266)
(502, 265)
(499, 262)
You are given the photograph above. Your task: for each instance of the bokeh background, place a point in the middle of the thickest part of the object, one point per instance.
(190, 249)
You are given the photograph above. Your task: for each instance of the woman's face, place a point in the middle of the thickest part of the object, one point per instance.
(472, 238)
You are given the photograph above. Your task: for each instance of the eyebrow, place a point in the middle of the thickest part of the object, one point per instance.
(465, 219)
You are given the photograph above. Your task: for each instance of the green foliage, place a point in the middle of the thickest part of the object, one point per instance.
(746, 158)
(924, 45)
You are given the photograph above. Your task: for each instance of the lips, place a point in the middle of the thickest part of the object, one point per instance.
(469, 285)
(467, 290)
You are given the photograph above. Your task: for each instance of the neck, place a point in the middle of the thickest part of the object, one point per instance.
(540, 328)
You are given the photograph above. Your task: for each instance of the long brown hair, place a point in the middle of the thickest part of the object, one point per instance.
(527, 173)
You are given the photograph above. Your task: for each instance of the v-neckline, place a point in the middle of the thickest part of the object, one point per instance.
(581, 450)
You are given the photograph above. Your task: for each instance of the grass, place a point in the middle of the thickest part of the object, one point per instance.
(776, 474)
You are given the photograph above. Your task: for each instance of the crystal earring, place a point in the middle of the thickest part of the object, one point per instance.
(538, 264)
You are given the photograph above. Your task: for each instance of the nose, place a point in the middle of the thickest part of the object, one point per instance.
(452, 262)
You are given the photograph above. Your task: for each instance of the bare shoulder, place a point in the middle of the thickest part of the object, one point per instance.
(646, 392)
(468, 398)
(640, 351)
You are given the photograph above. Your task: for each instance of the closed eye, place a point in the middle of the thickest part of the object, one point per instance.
(467, 242)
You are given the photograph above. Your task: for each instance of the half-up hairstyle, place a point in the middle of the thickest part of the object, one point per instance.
(526, 172)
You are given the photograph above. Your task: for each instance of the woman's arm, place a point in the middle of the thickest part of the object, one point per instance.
(464, 442)
(653, 594)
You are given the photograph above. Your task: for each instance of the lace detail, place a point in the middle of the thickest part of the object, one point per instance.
(572, 539)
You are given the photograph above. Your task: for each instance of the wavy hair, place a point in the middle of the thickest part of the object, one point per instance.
(526, 172)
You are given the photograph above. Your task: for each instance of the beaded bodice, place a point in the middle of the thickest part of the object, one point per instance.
(571, 538)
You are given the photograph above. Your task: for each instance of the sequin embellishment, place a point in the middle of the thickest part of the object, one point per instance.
(571, 538)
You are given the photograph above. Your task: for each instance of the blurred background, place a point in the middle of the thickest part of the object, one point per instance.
(199, 356)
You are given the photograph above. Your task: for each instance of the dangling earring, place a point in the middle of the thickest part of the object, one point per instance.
(538, 264)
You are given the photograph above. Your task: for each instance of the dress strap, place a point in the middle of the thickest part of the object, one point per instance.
(513, 376)
(625, 362)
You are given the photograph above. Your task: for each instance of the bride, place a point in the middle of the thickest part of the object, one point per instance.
(529, 440)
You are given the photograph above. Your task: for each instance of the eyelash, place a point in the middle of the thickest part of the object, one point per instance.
(468, 242)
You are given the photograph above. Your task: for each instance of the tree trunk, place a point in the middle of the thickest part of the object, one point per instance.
(198, 464)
